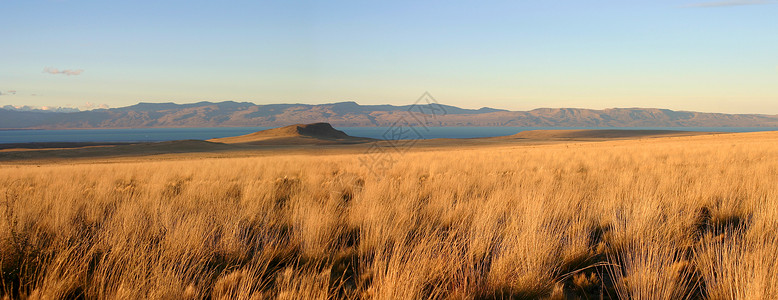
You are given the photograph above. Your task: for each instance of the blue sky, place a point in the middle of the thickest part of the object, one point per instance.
(713, 56)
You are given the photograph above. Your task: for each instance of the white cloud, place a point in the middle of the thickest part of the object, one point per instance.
(90, 106)
(56, 71)
(729, 3)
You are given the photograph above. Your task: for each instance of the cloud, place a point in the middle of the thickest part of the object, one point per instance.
(10, 92)
(56, 71)
(729, 3)
(90, 106)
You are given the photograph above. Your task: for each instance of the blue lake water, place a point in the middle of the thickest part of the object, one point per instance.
(169, 134)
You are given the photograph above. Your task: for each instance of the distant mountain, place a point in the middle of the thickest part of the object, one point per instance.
(344, 114)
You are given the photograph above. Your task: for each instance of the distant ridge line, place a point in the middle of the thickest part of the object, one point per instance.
(352, 114)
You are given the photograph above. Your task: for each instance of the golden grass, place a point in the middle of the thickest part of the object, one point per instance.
(666, 218)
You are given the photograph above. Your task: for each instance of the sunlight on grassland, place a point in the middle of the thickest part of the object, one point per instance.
(664, 218)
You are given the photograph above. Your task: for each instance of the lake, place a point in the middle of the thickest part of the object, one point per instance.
(169, 134)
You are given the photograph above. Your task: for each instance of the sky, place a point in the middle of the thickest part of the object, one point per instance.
(709, 56)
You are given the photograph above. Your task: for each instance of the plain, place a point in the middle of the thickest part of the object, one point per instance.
(653, 218)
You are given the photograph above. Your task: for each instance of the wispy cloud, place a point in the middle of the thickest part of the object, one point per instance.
(728, 3)
(10, 92)
(56, 71)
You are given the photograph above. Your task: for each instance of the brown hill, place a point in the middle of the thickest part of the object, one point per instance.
(208, 114)
(316, 133)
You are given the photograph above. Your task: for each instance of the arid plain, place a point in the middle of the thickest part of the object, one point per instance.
(540, 215)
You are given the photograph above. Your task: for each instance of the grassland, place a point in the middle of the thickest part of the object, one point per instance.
(665, 218)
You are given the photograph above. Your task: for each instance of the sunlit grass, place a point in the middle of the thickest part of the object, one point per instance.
(668, 218)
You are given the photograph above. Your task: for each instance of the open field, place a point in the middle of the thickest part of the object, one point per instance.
(656, 218)
(314, 138)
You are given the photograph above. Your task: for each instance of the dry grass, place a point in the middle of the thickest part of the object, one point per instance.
(668, 218)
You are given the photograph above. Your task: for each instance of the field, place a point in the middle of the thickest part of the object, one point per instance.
(656, 218)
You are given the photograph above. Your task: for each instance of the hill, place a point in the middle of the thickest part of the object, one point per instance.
(316, 133)
(346, 114)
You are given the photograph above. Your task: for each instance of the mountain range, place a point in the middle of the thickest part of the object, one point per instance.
(346, 114)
